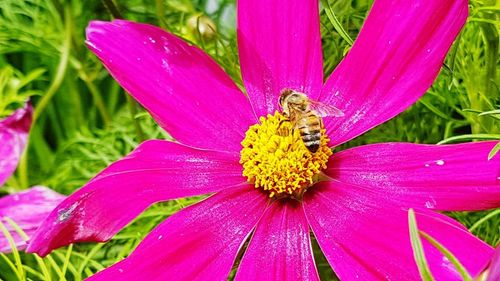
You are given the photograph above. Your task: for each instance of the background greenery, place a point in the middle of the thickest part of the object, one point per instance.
(84, 121)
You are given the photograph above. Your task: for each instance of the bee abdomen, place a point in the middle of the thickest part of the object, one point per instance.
(312, 140)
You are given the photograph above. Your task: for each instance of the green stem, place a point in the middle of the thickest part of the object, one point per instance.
(160, 11)
(51, 91)
(113, 10)
(133, 112)
(101, 107)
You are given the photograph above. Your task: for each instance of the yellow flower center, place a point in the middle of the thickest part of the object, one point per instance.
(275, 158)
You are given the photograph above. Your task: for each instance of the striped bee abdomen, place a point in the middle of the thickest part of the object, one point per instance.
(309, 126)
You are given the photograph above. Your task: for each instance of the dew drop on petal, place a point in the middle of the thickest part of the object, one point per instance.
(440, 162)
(431, 203)
(64, 214)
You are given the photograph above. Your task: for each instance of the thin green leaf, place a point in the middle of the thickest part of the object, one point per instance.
(418, 249)
(471, 137)
(336, 23)
(20, 273)
(461, 269)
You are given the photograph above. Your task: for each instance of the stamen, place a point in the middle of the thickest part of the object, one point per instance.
(275, 158)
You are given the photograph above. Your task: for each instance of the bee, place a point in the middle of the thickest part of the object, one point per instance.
(306, 115)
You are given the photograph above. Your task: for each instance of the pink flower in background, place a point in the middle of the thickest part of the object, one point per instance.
(493, 273)
(27, 208)
(13, 137)
(358, 216)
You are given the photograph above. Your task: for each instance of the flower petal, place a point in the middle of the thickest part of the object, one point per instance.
(279, 47)
(395, 59)
(155, 171)
(27, 209)
(494, 267)
(187, 93)
(455, 177)
(366, 237)
(13, 137)
(280, 248)
(200, 242)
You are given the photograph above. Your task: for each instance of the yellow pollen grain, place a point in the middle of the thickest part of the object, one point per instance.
(278, 162)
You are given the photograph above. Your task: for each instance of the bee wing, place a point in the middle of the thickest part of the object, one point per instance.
(325, 110)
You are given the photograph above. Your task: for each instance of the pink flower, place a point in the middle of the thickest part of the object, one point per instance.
(493, 272)
(13, 137)
(27, 208)
(358, 216)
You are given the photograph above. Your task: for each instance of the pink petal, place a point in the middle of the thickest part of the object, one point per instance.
(395, 59)
(494, 267)
(455, 177)
(27, 209)
(280, 248)
(187, 93)
(366, 237)
(155, 171)
(279, 47)
(13, 137)
(200, 242)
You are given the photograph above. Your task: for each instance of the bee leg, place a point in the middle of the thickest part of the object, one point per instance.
(283, 130)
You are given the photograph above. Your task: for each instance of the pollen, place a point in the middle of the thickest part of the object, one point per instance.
(275, 158)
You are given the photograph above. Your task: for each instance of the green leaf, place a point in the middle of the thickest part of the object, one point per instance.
(461, 269)
(494, 151)
(336, 23)
(471, 137)
(418, 249)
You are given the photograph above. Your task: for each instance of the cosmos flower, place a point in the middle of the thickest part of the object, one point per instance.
(27, 208)
(268, 188)
(14, 131)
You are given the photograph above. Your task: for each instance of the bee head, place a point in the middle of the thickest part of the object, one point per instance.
(290, 97)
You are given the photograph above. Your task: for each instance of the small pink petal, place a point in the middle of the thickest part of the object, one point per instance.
(279, 47)
(187, 93)
(156, 171)
(494, 267)
(27, 209)
(455, 177)
(394, 60)
(280, 248)
(200, 242)
(366, 237)
(13, 137)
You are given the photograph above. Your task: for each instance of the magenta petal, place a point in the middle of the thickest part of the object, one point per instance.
(155, 171)
(395, 59)
(279, 47)
(494, 267)
(280, 248)
(187, 93)
(444, 177)
(27, 209)
(13, 137)
(200, 242)
(366, 237)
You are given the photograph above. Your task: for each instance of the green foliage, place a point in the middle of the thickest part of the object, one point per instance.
(84, 121)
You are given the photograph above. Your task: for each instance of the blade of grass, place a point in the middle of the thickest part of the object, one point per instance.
(461, 269)
(483, 219)
(19, 270)
(471, 137)
(41, 263)
(336, 23)
(418, 249)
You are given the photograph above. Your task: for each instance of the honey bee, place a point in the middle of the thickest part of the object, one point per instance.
(306, 115)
